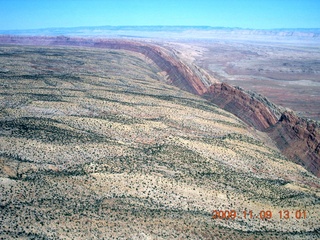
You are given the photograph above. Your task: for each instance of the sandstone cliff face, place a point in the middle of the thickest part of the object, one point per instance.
(295, 137)
(244, 106)
(299, 140)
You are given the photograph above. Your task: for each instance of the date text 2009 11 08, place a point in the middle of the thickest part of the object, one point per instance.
(263, 214)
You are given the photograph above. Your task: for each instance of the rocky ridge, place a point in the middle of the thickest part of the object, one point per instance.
(297, 138)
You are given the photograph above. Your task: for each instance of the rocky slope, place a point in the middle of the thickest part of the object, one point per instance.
(247, 107)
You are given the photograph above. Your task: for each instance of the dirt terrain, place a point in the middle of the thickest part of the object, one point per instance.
(94, 143)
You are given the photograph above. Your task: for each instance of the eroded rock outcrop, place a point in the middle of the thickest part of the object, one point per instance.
(240, 103)
(299, 140)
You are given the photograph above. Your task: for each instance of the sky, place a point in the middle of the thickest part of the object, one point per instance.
(255, 14)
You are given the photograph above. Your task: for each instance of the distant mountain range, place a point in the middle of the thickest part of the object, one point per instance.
(188, 32)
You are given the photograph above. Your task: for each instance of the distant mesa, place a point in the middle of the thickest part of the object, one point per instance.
(190, 32)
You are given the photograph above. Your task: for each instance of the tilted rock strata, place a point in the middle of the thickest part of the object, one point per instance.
(244, 106)
(299, 140)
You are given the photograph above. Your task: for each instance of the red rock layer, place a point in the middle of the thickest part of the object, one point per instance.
(299, 140)
(244, 106)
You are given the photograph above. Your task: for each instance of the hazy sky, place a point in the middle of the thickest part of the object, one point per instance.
(263, 14)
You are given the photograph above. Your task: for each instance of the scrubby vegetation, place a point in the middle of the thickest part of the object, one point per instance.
(95, 144)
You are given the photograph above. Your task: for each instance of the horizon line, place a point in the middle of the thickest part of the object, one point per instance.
(166, 26)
